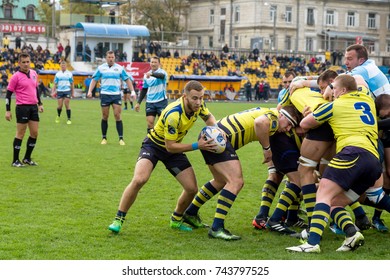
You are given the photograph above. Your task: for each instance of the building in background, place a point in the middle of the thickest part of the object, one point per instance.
(296, 25)
(20, 18)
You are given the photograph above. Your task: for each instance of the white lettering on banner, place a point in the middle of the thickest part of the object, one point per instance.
(22, 28)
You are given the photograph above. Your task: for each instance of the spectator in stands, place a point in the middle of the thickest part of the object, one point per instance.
(157, 47)
(67, 51)
(334, 57)
(182, 67)
(277, 73)
(195, 71)
(176, 54)
(88, 53)
(151, 48)
(46, 53)
(266, 88)
(96, 51)
(79, 49)
(225, 52)
(237, 72)
(258, 88)
(112, 16)
(39, 49)
(60, 49)
(248, 91)
(39, 65)
(256, 53)
(209, 66)
(18, 42)
(243, 59)
(4, 79)
(6, 42)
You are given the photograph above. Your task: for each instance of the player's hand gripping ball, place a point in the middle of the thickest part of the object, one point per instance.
(213, 132)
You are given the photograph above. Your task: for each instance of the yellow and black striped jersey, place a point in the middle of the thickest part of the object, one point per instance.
(352, 117)
(303, 97)
(240, 127)
(174, 123)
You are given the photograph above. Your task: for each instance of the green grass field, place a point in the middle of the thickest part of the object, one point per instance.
(60, 210)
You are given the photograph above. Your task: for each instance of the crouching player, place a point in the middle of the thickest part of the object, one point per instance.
(256, 124)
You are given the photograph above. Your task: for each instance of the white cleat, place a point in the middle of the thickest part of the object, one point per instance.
(305, 248)
(352, 243)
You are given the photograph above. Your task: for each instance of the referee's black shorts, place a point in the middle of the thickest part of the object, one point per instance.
(26, 113)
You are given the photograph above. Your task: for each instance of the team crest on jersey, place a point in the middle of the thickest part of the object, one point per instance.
(171, 129)
(274, 124)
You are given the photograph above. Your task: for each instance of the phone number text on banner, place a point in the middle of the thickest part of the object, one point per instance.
(22, 28)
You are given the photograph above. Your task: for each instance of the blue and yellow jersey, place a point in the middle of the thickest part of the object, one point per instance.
(303, 97)
(174, 123)
(361, 128)
(240, 127)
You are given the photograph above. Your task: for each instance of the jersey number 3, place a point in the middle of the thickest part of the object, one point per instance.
(367, 116)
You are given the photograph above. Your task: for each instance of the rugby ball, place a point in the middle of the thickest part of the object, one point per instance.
(215, 133)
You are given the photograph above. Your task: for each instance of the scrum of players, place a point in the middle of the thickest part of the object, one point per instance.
(334, 155)
(339, 111)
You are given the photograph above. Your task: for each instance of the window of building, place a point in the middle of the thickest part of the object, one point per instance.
(371, 21)
(329, 17)
(388, 46)
(211, 17)
(7, 11)
(30, 12)
(310, 16)
(223, 11)
(351, 19)
(211, 42)
(236, 42)
(388, 22)
(370, 45)
(117, 46)
(199, 41)
(288, 14)
(222, 30)
(237, 14)
(288, 43)
(309, 44)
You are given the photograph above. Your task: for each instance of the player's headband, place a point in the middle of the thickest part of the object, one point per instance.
(288, 117)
